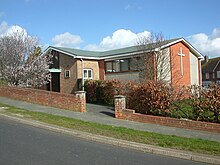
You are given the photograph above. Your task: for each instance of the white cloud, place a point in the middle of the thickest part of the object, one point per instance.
(6, 29)
(207, 44)
(67, 40)
(120, 38)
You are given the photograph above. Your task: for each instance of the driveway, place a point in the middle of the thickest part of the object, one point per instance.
(100, 110)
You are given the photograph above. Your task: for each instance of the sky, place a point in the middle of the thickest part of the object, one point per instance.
(111, 24)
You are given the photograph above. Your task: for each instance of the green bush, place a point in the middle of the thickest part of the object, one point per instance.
(206, 106)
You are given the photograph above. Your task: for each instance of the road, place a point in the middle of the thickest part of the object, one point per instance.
(26, 145)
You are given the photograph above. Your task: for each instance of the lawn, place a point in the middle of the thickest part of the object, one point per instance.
(168, 141)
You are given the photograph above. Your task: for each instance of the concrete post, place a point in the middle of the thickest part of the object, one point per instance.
(81, 101)
(120, 104)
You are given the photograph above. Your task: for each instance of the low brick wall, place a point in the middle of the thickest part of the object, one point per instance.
(75, 102)
(127, 114)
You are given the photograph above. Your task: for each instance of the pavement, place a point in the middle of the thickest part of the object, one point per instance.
(105, 115)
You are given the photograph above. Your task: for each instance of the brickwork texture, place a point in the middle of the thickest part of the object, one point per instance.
(127, 114)
(72, 102)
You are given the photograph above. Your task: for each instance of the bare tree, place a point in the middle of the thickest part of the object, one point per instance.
(154, 61)
(15, 68)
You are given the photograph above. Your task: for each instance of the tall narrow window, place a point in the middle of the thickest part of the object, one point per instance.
(207, 75)
(124, 65)
(108, 66)
(218, 74)
(116, 66)
(67, 73)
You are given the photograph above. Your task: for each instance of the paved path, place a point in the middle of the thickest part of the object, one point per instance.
(104, 115)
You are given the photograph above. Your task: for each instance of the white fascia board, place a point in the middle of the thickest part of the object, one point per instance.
(54, 70)
(88, 58)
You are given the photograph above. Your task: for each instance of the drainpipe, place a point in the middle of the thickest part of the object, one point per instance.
(82, 74)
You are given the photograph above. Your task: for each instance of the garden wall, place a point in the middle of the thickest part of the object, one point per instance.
(122, 113)
(72, 102)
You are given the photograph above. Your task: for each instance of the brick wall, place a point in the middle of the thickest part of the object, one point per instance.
(68, 85)
(72, 102)
(127, 114)
(176, 77)
(88, 64)
(101, 70)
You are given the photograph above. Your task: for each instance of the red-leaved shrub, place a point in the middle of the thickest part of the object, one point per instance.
(151, 97)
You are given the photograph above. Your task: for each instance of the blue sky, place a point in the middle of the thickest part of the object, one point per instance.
(109, 24)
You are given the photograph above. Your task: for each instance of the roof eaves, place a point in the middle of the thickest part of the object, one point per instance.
(63, 51)
(200, 56)
(172, 43)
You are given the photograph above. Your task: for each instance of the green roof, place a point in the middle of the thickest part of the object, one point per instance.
(121, 51)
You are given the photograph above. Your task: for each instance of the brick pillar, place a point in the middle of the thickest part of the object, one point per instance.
(119, 105)
(81, 101)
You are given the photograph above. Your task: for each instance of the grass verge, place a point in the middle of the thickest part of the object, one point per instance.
(168, 141)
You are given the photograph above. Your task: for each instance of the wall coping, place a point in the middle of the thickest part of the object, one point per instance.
(119, 96)
(79, 92)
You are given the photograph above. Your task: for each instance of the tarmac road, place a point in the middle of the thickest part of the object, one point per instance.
(21, 144)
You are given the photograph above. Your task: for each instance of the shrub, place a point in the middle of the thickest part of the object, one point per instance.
(158, 98)
(206, 106)
(153, 98)
(103, 91)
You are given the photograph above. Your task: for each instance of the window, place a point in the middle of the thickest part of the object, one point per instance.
(218, 74)
(124, 65)
(118, 65)
(87, 73)
(67, 73)
(213, 75)
(108, 66)
(207, 75)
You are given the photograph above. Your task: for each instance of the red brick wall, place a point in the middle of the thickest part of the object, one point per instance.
(101, 70)
(176, 77)
(53, 99)
(128, 114)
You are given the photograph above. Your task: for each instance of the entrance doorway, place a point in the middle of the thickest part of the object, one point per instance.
(55, 82)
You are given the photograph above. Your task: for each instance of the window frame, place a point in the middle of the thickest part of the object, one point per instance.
(117, 64)
(218, 74)
(206, 75)
(87, 77)
(67, 75)
(213, 75)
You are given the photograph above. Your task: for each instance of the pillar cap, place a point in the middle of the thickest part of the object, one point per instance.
(79, 92)
(119, 96)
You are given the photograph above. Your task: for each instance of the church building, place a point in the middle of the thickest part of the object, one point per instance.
(71, 67)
